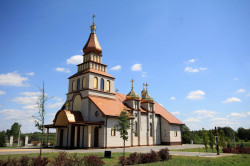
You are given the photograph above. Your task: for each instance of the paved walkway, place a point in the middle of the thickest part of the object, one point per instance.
(140, 149)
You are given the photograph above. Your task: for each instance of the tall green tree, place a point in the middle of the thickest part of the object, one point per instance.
(2, 139)
(205, 139)
(211, 139)
(39, 117)
(123, 124)
(186, 134)
(14, 131)
(222, 139)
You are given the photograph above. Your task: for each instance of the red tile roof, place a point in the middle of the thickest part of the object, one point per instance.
(113, 107)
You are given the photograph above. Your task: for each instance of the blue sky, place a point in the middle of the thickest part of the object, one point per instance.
(195, 55)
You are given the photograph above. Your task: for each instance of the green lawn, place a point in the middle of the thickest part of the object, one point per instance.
(240, 159)
(198, 150)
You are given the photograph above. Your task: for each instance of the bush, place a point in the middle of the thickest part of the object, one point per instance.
(39, 161)
(133, 159)
(92, 160)
(35, 143)
(237, 150)
(164, 154)
(60, 160)
(24, 161)
(143, 158)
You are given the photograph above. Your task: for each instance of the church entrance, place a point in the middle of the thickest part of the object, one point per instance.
(96, 136)
(61, 138)
(72, 136)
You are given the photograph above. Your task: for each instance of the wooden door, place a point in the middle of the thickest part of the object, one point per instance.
(96, 136)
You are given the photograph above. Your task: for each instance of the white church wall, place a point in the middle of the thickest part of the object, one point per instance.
(102, 137)
(173, 129)
(157, 130)
(93, 111)
(114, 141)
(165, 130)
(143, 129)
(84, 110)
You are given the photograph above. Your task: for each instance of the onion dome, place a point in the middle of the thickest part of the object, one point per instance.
(145, 96)
(132, 94)
(92, 44)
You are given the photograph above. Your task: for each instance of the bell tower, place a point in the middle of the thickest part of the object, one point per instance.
(91, 78)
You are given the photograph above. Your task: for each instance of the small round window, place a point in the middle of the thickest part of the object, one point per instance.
(96, 113)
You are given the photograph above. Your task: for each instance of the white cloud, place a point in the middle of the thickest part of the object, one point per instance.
(248, 94)
(240, 91)
(17, 115)
(61, 69)
(248, 113)
(144, 74)
(29, 100)
(30, 93)
(56, 105)
(136, 67)
(191, 120)
(231, 100)
(191, 61)
(30, 107)
(236, 79)
(1, 105)
(13, 79)
(172, 98)
(204, 113)
(2, 92)
(75, 60)
(176, 113)
(30, 74)
(118, 67)
(194, 70)
(235, 114)
(196, 95)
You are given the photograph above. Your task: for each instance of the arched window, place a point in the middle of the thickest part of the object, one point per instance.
(73, 85)
(175, 133)
(95, 82)
(83, 82)
(77, 103)
(136, 127)
(102, 84)
(151, 130)
(78, 84)
(108, 85)
(113, 130)
(94, 58)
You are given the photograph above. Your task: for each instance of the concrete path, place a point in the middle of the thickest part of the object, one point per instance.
(140, 149)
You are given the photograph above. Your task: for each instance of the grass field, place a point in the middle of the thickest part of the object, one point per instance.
(238, 160)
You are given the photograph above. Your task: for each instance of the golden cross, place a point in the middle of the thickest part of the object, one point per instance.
(143, 85)
(146, 86)
(93, 17)
(132, 83)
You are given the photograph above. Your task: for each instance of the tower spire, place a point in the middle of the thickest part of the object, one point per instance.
(93, 27)
(132, 81)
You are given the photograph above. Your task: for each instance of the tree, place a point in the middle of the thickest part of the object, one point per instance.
(14, 131)
(211, 139)
(222, 141)
(186, 134)
(2, 139)
(39, 117)
(205, 138)
(123, 124)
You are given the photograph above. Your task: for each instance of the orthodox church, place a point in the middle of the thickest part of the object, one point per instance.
(89, 116)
